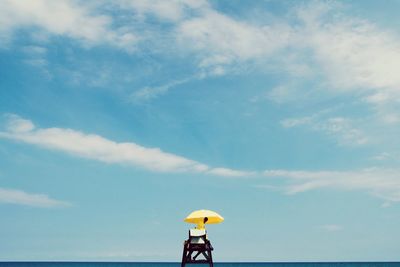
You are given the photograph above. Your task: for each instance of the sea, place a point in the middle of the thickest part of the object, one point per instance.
(169, 264)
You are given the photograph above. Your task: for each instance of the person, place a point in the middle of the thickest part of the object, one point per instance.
(197, 242)
(200, 224)
(198, 233)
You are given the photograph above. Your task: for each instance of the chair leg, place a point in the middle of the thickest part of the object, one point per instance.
(184, 257)
(189, 255)
(210, 258)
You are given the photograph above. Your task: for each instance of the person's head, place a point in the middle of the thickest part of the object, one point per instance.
(205, 219)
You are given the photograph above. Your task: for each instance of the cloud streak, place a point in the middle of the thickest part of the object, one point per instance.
(148, 93)
(382, 183)
(19, 197)
(379, 182)
(95, 147)
(344, 130)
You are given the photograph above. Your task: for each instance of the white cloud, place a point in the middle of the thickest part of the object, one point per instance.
(353, 56)
(223, 41)
(377, 98)
(93, 146)
(343, 55)
(349, 54)
(96, 147)
(12, 196)
(148, 93)
(344, 130)
(16, 124)
(230, 173)
(383, 183)
(68, 18)
(382, 156)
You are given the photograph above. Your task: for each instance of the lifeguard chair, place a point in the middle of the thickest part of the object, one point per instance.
(197, 245)
(197, 248)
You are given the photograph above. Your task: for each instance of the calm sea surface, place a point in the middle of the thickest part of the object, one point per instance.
(136, 264)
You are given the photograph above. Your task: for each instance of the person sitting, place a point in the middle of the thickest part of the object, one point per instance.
(200, 224)
(198, 235)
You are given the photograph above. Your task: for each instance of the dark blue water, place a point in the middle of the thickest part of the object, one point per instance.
(148, 264)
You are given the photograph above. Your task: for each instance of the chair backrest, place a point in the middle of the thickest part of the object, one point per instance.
(197, 236)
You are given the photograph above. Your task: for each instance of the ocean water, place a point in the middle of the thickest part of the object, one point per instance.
(148, 264)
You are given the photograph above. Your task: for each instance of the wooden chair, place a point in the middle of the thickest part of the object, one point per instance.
(198, 243)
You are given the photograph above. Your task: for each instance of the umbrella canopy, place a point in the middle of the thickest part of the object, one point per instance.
(199, 215)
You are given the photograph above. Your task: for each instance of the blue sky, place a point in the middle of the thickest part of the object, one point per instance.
(118, 118)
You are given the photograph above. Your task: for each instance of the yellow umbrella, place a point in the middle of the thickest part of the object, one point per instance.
(199, 215)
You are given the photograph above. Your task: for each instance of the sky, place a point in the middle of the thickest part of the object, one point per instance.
(119, 118)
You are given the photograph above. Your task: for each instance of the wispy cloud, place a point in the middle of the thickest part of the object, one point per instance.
(148, 93)
(380, 182)
(354, 54)
(293, 122)
(19, 197)
(223, 41)
(64, 18)
(352, 57)
(382, 156)
(383, 183)
(344, 130)
(344, 55)
(36, 56)
(349, 54)
(95, 147)
(231, 173)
